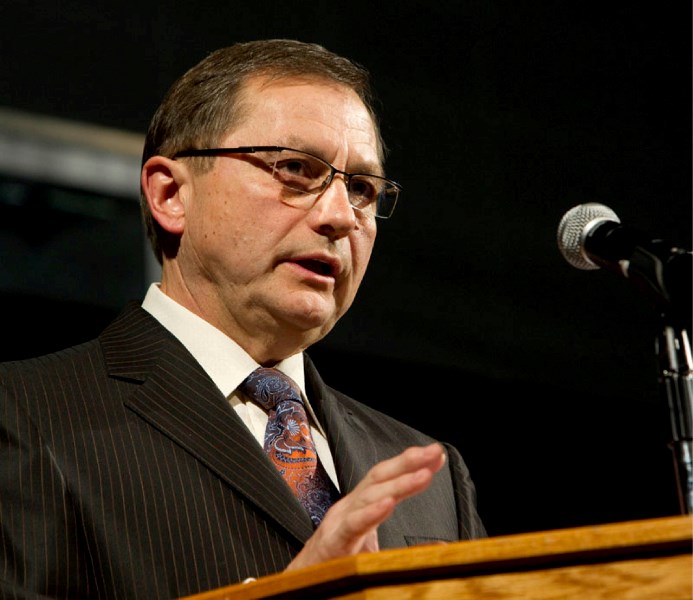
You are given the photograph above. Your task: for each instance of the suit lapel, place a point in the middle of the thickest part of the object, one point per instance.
(178, 398)
(355, 445)
(345, 433)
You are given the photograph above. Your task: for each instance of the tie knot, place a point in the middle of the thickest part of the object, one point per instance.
(268, 387)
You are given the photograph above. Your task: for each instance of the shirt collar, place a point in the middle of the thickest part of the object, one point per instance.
(224, 360)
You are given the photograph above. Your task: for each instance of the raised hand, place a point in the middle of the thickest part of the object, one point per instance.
(351, 524)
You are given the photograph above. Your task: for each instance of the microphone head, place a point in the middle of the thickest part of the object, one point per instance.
(574, 227)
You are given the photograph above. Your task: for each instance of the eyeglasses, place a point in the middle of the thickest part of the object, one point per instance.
(304, 174)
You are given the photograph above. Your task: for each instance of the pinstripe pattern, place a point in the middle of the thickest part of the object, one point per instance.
(125, 474)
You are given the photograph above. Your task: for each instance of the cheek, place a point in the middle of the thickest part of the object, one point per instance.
(215, 230)
(362, 242)
(229, 216)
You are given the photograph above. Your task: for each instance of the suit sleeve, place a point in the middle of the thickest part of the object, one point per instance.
(38, 557)
(470, 524)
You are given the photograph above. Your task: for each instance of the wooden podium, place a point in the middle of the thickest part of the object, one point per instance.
(638, 559)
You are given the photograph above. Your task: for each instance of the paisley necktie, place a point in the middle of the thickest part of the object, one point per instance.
(288, 441)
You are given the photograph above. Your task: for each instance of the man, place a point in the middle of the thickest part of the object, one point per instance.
(133, 466)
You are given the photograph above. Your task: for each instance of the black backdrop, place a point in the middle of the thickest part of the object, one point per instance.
(500, 116)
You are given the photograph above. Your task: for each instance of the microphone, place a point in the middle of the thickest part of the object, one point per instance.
(591, 236)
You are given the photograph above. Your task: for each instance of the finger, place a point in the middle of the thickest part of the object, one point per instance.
(364, 510)
(344, 533)
(413, 459)
(397, 479)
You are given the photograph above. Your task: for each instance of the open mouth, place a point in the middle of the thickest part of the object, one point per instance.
(317, 266)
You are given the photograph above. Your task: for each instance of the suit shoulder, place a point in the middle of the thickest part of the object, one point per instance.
(71, 354)
(66, 357)
(67, 360)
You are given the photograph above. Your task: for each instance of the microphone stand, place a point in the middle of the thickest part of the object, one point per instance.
(664, 274)
(661, 272)
(676, 378)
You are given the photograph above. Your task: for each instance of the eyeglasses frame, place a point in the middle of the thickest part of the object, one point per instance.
(212, 152)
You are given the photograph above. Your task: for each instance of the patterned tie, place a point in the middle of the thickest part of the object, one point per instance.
(288, 442)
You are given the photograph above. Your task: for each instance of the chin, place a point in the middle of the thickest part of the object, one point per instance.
(313, 316)
(314, 321)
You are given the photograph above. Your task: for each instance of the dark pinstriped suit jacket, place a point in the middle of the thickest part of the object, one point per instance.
(124, 473)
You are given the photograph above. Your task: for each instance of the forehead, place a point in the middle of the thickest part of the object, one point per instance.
(318, 112)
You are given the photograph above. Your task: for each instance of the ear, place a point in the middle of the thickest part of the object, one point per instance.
(164, 182)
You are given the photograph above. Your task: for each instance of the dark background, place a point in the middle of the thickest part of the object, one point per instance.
(500, 116)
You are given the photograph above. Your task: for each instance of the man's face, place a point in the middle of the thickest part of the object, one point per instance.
(256, 267)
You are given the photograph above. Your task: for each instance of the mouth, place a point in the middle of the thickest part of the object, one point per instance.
(323, 265)
(317, 266)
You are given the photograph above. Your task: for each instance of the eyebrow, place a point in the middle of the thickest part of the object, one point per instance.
(363, 168)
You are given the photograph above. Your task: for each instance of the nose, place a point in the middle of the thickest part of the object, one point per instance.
(332, 213)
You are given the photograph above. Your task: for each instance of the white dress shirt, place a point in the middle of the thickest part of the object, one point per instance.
(228, 365)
